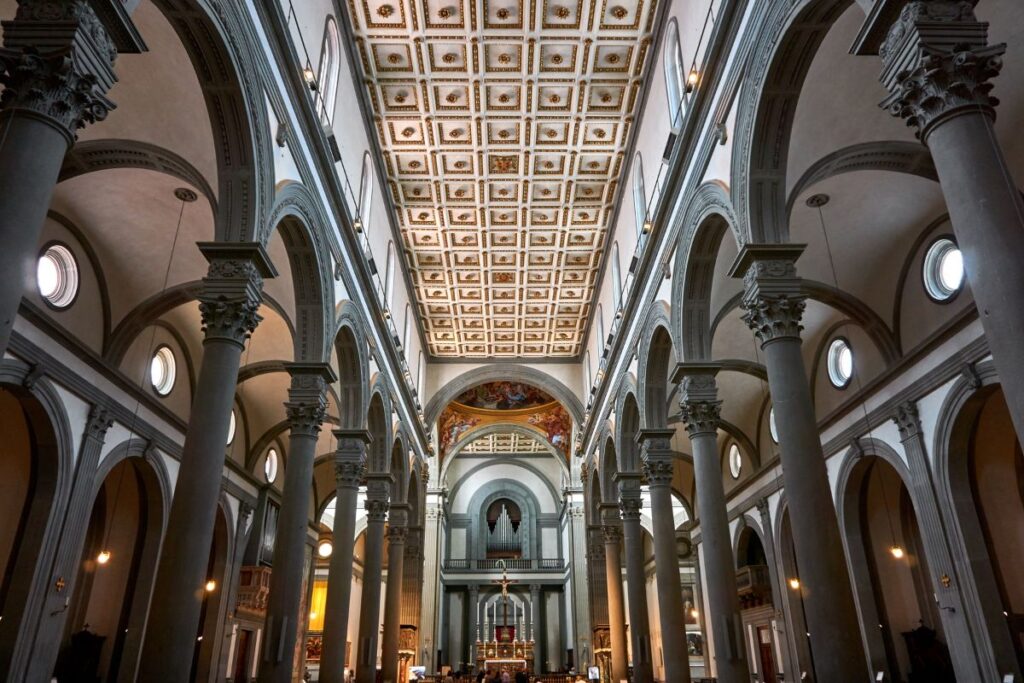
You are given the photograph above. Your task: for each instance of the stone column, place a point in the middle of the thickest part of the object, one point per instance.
(700, 412)
(658, 466)
(397, 533)
(536, 619)
(472, 622)
(938, 66)
(612, 531)
(57, 65)
(578, 576)
(306, 407)
(774, 305)
(377, 488)
(630, 504)
(228, 305)
(966, 654)
(430, 636)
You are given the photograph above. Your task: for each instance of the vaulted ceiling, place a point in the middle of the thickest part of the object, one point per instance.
(504, 126)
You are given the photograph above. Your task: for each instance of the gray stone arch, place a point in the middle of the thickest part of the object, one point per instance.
(54, 455)
(784, 45)
(656, 358)
(399, 468)
(798, 645)
(504, 371)
(297, 216)
(378, 421)
(627, 411)
(480, 432)
(353, 354)
(214, 35)
(951, 450)
(856, 466)
(510, 460)
(708, 218)
(521, 496)
(609, 470)
(89, 156)
(748, 526)
(895, 156)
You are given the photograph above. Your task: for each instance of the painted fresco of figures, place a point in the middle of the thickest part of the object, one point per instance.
(503, 396)
(556, 425)
(452, 425)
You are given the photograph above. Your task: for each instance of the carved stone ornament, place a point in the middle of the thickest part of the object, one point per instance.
(907, 420)
(376, 510)
(611, 534)
(232, 320)
(348, 473)
(630, 507)
(305, 417)
(658, 471)
(397, 534)
(99, 422)
(774, 317)
(57, 63)
(938, 65)
(762, 507)
(701, 417)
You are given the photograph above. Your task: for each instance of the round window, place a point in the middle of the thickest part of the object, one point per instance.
(735, 461)
(840, 363)
(162, 370)
(943, 269)
(57, 276)
(270, 466)
(231, 427)
(772, 428)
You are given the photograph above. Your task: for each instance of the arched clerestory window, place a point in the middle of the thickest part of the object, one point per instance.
(616, 277)
(330, 70)
(389, 275)
(639, 193)
(421, 372)
(589, 372)
(600, 328)
(407, 329)
(675, 75)
(366, 191)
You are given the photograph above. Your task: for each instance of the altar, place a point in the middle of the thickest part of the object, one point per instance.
(502, 664)
(499, 645)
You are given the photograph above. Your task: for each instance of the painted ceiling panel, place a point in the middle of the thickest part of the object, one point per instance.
(504, 127)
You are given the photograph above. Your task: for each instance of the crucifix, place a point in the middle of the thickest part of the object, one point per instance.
(504, 582)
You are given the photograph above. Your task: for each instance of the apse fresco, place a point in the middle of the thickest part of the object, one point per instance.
(503, 396)
(512, 403)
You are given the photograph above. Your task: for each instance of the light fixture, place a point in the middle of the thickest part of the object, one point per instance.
(648, 226)
(691, 80)
(310, 77)
(312, 616)
(325, 549)
(387, 314)
(694, 613)
(897, 552)
(211, 586)
(103, 557)
(794, 583)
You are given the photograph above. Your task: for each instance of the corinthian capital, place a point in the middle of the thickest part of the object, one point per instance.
(57, 64)
(611, 534)
(376, 510)
(307, 397)
(99, 422)
(397, 534)
(699, 404)
(907, 420)
(938, 64)
(658, 471)
(348, 473)
(233, 289)
(773, 301)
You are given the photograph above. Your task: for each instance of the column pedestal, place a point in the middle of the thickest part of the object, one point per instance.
(659, 468)
(349, 462)
(774, 305)
(630, 504)
(228, 305)
(701, 409)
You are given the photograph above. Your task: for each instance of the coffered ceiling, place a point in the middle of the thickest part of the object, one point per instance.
(505, 442)
(504, 127)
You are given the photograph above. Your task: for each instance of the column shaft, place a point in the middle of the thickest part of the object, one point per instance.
(285, 624)
(348, 471)
(57, 76)
(393, 601)
(616, 609)
(369, 610)
(666, 567)
(472, 624)
(230, 299)
(938, 66)
(636, 580)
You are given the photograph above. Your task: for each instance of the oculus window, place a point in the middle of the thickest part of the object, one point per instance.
(735, 461)
(772, 428)
(231, 428)
(943, 269)
(57, 276)
(840, 363)
(163, 370)
(270, 466)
